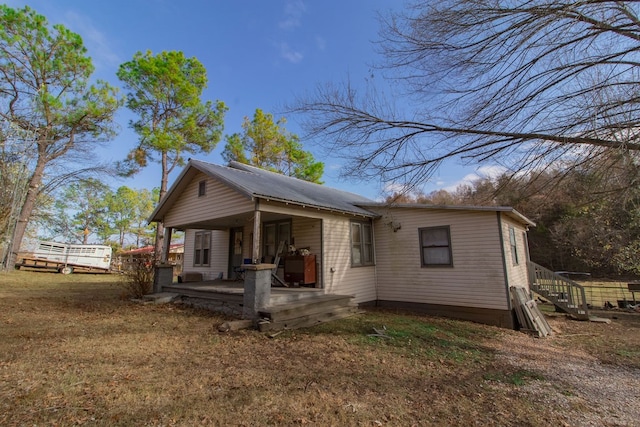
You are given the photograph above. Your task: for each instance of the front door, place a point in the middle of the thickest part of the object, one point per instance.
(235, 251)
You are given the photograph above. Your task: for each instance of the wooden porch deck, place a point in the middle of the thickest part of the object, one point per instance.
(232, 290)
(288, 308)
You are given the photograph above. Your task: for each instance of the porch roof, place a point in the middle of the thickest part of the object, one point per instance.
(257, 183)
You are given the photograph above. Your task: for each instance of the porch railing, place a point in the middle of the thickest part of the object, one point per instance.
(567, 295)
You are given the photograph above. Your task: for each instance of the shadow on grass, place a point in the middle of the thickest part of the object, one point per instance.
(440, 339)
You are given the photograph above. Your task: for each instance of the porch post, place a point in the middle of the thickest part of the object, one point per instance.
(167, 245)
(255, 250)
(257, 289)
(163, 271)
(257, 276)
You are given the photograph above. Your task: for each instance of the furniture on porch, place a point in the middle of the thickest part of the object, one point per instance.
(300, 269)
(275, 280)
(239, 271)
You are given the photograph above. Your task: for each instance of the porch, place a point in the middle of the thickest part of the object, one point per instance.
(288, 308)
(232, 291)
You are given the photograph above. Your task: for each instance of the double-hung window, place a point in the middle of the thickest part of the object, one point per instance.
(202, 249)
(435, 247)
(273, 233)
(361, 244)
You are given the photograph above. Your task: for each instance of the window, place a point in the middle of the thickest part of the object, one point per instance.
(514, 246)
(202, 249)
(435, 247)
(273, 233)
(202, 188)
(361, 244)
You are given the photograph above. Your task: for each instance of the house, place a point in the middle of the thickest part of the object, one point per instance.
(452, 261)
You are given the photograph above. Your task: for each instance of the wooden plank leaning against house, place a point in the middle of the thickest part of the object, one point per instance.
(529, 316)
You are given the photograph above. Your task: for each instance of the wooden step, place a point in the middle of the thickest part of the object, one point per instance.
(307, 320)
(235, 297)
(161, 297)
(281, 296)
(567, 296)
(308, 306)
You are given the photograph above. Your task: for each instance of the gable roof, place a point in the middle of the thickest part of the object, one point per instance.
(256, 183)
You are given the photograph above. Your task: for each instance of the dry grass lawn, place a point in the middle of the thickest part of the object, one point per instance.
(73, 351)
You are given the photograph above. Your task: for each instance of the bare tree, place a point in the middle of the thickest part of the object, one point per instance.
(525, 84)
(14, 174)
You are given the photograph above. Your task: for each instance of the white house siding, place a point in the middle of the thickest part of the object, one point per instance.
(219, 201)
(340, 277)
(219, 254)
(516, 272)
(476, 278)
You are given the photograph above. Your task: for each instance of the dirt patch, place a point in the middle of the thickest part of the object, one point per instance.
(582, 379)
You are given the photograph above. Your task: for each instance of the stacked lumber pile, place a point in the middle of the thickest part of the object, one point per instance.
(530, 318)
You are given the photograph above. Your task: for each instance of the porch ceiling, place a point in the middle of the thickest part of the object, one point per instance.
(232, 221)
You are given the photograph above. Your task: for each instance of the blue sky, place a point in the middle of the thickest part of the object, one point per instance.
(258, 54)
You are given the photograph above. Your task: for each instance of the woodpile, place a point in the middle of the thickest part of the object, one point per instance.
(530, 318)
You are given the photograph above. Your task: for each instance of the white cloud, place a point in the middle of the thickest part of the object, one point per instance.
(493, 171)
(290, 54)
(394, 188)
(480, 173)
(292, 19)
(293, 11)
(96, 42)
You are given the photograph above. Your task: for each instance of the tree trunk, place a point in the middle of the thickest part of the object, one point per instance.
(25, 213)
(159, 246)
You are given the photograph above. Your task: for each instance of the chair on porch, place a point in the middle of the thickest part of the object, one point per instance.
(240, 270)
(239, 274)
(275, 280)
